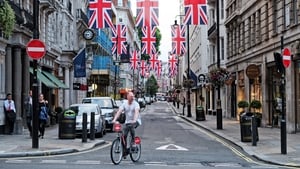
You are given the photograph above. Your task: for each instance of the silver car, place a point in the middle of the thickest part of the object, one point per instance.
(79, 109)
(108, 107)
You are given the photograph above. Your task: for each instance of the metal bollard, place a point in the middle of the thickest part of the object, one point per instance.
(254, 131)
(84, 128)
(92, 126)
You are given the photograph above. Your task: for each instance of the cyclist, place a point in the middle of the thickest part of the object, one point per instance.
(131, 109)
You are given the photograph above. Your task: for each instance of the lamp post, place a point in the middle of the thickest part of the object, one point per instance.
(219, 107)
(35, 118)
(188, 92)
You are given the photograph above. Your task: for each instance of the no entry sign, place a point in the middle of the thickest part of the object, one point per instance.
(36, 49)
(286, 57)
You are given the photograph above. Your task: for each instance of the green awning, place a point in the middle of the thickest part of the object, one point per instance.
(55, 80)
(43, 79)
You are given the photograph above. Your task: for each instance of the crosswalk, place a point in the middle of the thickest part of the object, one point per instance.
(127, 162)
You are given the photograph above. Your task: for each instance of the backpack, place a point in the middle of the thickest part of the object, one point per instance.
(43, 113)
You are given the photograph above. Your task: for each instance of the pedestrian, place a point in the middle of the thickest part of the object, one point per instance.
(183, 105)
(29, 111)
(43, 116)
(10, 113)
(177, 101)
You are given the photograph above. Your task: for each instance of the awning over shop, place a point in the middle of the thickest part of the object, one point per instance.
(43, 79)
(55, 80)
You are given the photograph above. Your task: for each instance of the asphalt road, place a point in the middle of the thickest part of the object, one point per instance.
(167, 141)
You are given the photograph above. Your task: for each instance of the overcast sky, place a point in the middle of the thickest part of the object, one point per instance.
(168, 9)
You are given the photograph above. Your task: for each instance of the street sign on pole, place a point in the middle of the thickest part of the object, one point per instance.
(286, 57)
(36, 49)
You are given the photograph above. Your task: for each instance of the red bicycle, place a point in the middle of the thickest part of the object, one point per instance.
(120, 149)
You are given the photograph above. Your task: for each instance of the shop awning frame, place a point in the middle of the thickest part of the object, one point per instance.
(43, 79)
(55, 80)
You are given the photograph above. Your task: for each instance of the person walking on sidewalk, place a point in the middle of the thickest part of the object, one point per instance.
(183, 105)
(10, 112)
(29, 111)
(43, 116)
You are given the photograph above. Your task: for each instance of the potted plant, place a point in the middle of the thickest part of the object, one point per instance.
(218, 76)
(256, 104)
(243, 104)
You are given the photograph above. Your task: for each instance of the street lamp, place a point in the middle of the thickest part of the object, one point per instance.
(219, 107)
(188, 93)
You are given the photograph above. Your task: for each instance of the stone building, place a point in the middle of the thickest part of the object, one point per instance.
(60, 26)
(255, 30)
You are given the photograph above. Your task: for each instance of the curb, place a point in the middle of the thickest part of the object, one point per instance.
(50, 152)
(227, 139)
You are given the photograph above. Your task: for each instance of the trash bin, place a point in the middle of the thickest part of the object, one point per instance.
(200, 114)
(67, 125)
(246, 127)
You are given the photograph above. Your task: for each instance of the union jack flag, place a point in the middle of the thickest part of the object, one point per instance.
(153, 61)
(134, 60)
(172, 65)
(148, 40)
(147, 13)
(100, 13)
(178, 39)
(159, 68)
(143, 68)
(195, 12)
(118, 39)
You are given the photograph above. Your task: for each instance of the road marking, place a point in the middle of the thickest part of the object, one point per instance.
(54, 161)
(18, 161)
(171, 147)
(87, 162)
(153, 163)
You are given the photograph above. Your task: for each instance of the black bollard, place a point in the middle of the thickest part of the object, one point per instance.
(254, 131)
(92, 126)
(84, 128)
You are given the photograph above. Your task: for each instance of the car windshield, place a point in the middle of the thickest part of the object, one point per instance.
(79, 110)
(103, 103)
(119, 102)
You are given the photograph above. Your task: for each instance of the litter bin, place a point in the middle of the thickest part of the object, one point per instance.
(246, 127)
(67, 125)
(200, 115)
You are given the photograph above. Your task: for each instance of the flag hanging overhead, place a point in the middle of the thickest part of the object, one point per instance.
(100, 13)
(159, 68)
(79, 64)
(143, 68)
(148, 40)
(153, 61)
(134, 60)
(195, 12)
(178, 39)
(172, 65)
(119, 39)
(147, 13)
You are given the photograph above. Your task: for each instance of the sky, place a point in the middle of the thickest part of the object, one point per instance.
(168, 9)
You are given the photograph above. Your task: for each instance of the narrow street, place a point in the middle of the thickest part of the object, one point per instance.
(167, 141)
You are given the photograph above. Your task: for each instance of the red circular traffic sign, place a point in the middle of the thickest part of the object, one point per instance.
(286, 57)
(36, 49)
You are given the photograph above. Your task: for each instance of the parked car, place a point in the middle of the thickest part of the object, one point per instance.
(148, 99)
(141, 102)
(79, 109)
(108, 107)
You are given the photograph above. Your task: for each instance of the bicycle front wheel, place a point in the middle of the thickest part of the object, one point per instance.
(135, 153)
(116, 151)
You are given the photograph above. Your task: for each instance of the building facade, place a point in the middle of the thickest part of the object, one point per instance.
(255, 30)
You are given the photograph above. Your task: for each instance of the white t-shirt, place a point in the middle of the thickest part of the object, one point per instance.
(129, 110)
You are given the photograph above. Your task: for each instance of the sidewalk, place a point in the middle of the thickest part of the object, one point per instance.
(21, 145)
(268, 147)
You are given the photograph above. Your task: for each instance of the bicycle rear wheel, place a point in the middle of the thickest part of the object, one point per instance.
(135, 153)
(116, 151)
